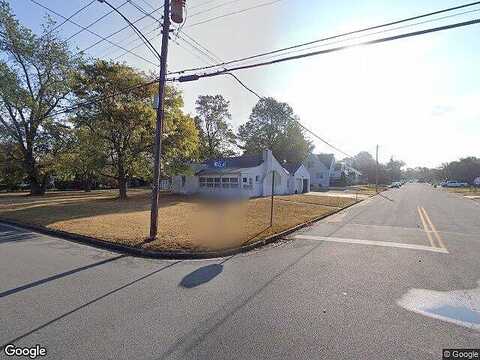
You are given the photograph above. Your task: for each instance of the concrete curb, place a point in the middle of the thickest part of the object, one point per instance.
(168, 255)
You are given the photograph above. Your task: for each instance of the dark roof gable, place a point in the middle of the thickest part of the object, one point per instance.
(292, 167)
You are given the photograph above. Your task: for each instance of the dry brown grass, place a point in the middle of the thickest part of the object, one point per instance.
(333, 201)
(469, 191)
(184, 222)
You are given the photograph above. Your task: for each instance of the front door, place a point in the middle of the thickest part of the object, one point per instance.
(305, 186)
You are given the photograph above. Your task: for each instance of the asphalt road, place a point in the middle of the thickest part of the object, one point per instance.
(395, 277)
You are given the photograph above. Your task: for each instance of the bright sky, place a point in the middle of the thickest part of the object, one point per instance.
(418, 98)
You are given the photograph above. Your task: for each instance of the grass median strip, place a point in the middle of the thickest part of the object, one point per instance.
(185, 222)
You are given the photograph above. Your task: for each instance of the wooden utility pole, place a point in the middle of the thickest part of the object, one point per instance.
(160, 119)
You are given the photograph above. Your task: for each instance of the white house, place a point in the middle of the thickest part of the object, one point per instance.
(344, 174)
(245, 176)
(299, 180)
(320, 167)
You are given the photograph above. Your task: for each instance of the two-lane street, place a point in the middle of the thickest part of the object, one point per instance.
(393, 277)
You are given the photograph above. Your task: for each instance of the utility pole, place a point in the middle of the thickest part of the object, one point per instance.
(376, 171)
(160, 108)
(271, 202)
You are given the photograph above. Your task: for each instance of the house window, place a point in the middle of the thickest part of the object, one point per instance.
(184, 179)
(234, 180)
(244, 179)
(225, 180)
(257, 178)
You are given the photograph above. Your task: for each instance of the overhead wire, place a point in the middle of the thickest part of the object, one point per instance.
(56, 27)
(90, 31)
(365, 29)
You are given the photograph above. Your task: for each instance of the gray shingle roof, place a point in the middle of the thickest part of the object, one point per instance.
(222, 165)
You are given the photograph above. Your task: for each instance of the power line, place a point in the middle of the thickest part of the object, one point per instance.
(326, 51)
(101, 98)
(94, 22)
(147, 43)
(374, 33)
(90, 31)
(296, 120)
(234, 13)
(142, 10)
(331, 37)
(214, 8)
(201, 46)
(137, 46)
(69, 18)
(118, 31)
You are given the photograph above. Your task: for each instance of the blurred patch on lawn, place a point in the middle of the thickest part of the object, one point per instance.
(185, 222)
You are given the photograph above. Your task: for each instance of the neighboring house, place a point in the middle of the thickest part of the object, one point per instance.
(244, 176)
(299, 180)
(344, 174)
(320, 167)
(476, 181)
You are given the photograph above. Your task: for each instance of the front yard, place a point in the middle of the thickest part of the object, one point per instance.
(466, 191)
(184, 222)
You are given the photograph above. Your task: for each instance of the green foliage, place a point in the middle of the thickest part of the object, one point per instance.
(274, 126)
(83, 158)
(217, 138)
(180, 138)
(11, 171)
(124, 122)
(35, 79)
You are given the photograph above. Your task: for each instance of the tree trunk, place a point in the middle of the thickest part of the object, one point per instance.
(122, 187)
(87, 185)
(36, 188)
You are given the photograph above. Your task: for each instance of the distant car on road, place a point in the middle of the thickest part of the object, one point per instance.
(454, 183)
(396, 184)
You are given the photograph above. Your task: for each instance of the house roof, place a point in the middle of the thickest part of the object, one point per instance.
(292, 167)
(230, 164)
(326, 159)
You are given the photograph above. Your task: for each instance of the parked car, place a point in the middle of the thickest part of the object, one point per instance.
(455, 183)
(396, 184)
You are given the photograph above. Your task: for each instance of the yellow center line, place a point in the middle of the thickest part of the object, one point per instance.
(425, 227)
(435, 232)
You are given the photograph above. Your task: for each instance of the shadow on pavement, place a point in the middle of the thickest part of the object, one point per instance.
(57, 276)
(12, 341)
(201, 276)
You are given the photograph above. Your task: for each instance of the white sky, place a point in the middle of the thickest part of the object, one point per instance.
(418, 98)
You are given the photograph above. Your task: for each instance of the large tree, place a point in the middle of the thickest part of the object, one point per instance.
(124, 121)
(217, 138)
(35, 74)
(273, 125)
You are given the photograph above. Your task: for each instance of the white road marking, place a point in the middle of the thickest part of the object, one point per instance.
(460, 307)
(371, 242)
